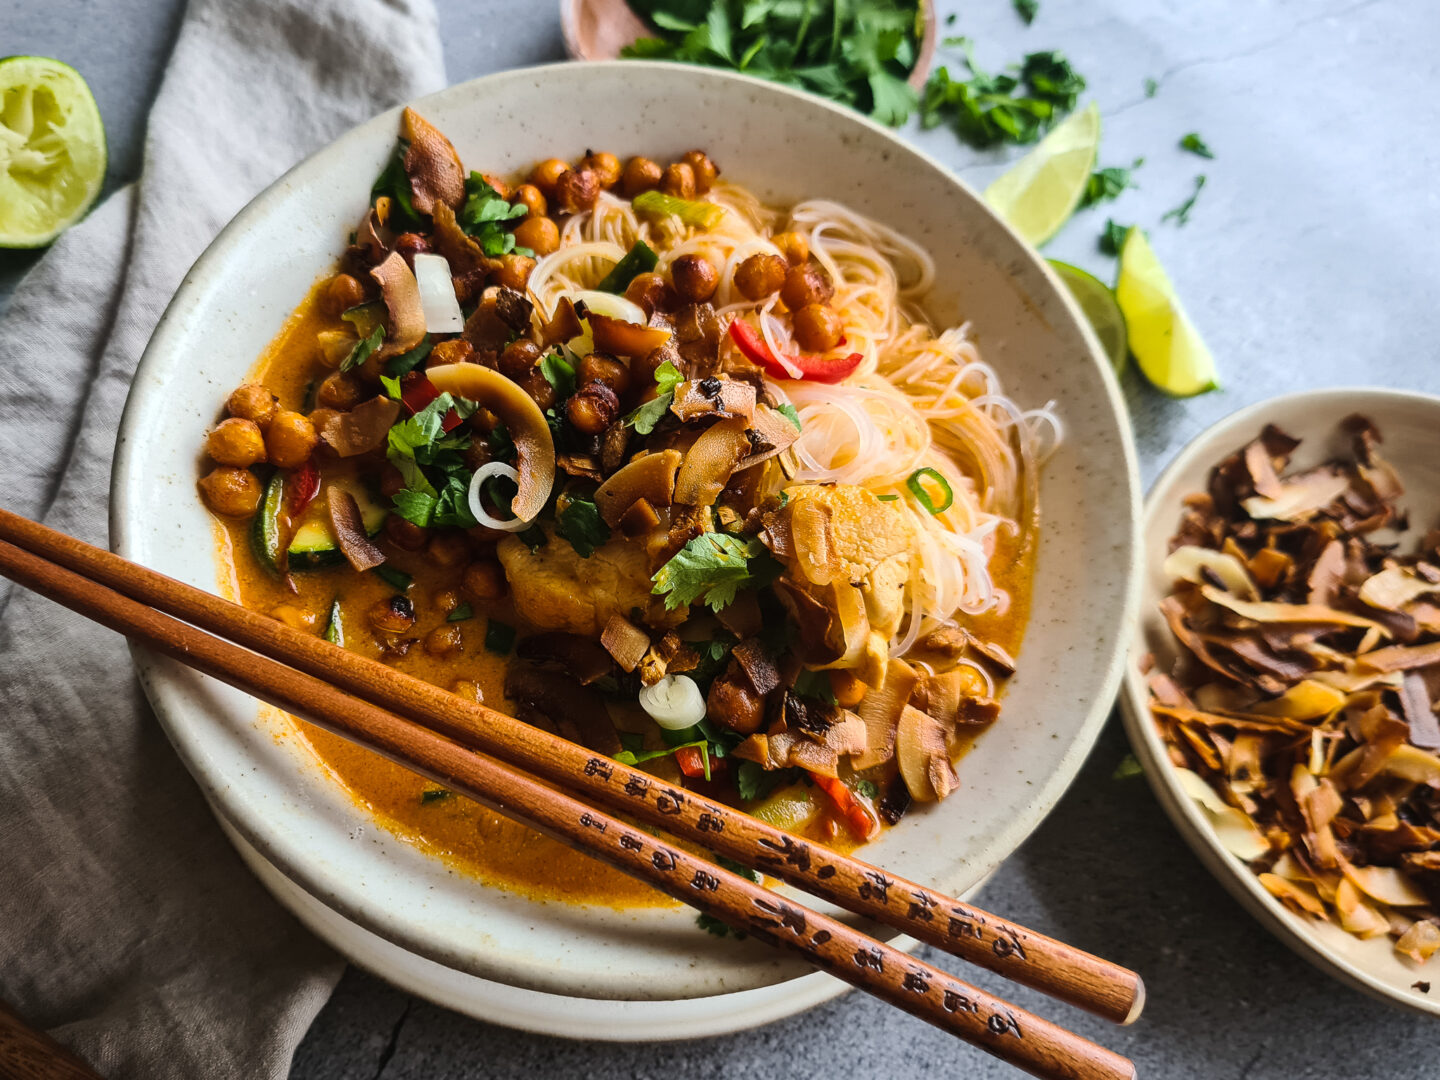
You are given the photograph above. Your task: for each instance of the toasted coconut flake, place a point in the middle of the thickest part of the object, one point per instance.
(1394, 587)
(1306, 700)
(401, 292)
(624, 641)
(1302, 497)
(1298, 896)
(1420, 942)
(880, 710)
(1384, 883)
(1413, 764)
(1274, 612)
(436, 175)
(1419, 712)
(1357, 916)
(770, 433)
(1206, 566)
(1401, 657)
(651, 478)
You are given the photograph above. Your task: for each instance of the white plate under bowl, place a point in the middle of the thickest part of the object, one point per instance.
(785, 146)
(1410, 426)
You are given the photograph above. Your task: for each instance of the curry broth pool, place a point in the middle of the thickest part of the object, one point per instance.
(624, 453)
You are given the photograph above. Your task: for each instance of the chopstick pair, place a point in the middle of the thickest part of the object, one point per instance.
(437, 735)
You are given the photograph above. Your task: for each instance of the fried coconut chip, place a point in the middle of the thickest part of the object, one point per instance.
(1301, 711)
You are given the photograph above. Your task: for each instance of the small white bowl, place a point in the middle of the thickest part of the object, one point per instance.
(1410, 425)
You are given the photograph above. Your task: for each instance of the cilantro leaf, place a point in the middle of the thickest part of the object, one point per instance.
(644, 419)
(1108, 183)
(711, 925)
(986, 109)
(713, 567)
(407, 362)
(789, 412)
(559, 373)
(1150, 87)
(1181, 213)
(392, 387)
(754, 782)
(362, 349)
(1027, 9)
(580, 523)
(1112, 239)
(868, 788)
(814, 684)
(1196, 145)
(484, 215)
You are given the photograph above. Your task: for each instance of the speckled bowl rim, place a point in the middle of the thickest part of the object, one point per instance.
(1295, 931)
(127, 500)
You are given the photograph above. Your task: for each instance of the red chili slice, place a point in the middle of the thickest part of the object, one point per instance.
(815, 368)
(416, 392)
(303, 486)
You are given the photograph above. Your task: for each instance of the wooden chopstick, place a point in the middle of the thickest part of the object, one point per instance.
(27, 1053)
(1010, 1033)
(1008, 949)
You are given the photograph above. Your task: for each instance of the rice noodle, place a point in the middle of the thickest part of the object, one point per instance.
(919, 399)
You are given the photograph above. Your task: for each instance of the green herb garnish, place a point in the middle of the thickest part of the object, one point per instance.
(737, 868)
(711, 925)
(394, 183)
(1112, 239)
(559, 373)
(1108, 183)
(917, 488)
(1027, 9)
(988, 109)
(867, 788)
(460, 612)
(334, 629)
(712, 567)
(421, 441)
(790, 413)
(396, 579)
(485, 214)
(640, 259)
(362, 349)
(1150, 87)
(887, 498)
(702, 215)
(499, 637)
(1181, 213)
(580, 523)
(754, 782)
(644, 419)
(1196, 145)
(814, 684)
(407, 362)
(857, 52)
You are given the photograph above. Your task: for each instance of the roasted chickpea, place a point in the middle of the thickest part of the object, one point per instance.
(652, 292)
(704, 169)
(446, 600)
(641, 174)
(290, 439)
(532, 198)
(444, 640)
(404, 534)
(538, 387)
(449, 549)
(392, 615)
(540, 234)
(576, 190)
(678, 179)
(468, 690)
(501, 187)
(294, 617)
(231, 492)
(340, 390)
(518, 358)
(476, 454)
(513, 272)
(694, 278)
(818, 328)
(793, 246)
(597, 367)
(454, 351)
(760, 275)
(544, 175)
(807, 284)
(734, 705)
(847, 687)
(343, 292)
(606, 168)
(392, 480)
(483, 580)
(253, 402)
(411, 244)
(236, 442)
(591, 408)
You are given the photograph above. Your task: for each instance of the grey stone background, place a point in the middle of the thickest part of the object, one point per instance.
(1309, 261)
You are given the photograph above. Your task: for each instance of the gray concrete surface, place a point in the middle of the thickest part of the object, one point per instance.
(1308, 261)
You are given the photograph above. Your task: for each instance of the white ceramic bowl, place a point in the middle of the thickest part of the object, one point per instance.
(1410, 425)
(786, 146)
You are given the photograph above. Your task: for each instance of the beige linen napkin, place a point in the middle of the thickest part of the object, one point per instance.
(128, 926)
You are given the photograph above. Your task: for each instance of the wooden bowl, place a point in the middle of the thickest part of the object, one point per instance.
(599, 29)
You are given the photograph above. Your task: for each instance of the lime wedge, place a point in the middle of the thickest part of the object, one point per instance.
(1166, 344)
(52, 150)
(1042, 189)
(1098, 303)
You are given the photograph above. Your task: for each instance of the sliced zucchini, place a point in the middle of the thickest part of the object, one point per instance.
(313, 545)
(334, 630)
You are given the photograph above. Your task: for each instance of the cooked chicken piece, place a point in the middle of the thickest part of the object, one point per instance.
(555, 589)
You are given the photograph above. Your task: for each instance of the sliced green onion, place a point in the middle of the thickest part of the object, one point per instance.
(391, 576)
(887, 498)
(702, 215)
(640, 259)
(918, 490)
(365, 317)
(460, 613)
(334, 631)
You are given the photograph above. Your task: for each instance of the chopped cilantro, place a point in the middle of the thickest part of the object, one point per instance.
(632, 757)
(1027, 9)
(755, 782)
(559, 373)
(361, 350)
(407, 362)
(711, 925)
(421, 441)
(644, 419)
(713, 567)
(485, 214)
(867, 788)
(789, 412)
(396, 579)
(988, 109)
(857, 52)
(1181, 213)
(1150, 87)
(1112, 239)
(392, 387)
(580, 522)
(499, 637)
(1108, 183)
(814, 684)
(460, 613)
(393, 183)
(1196, 145)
